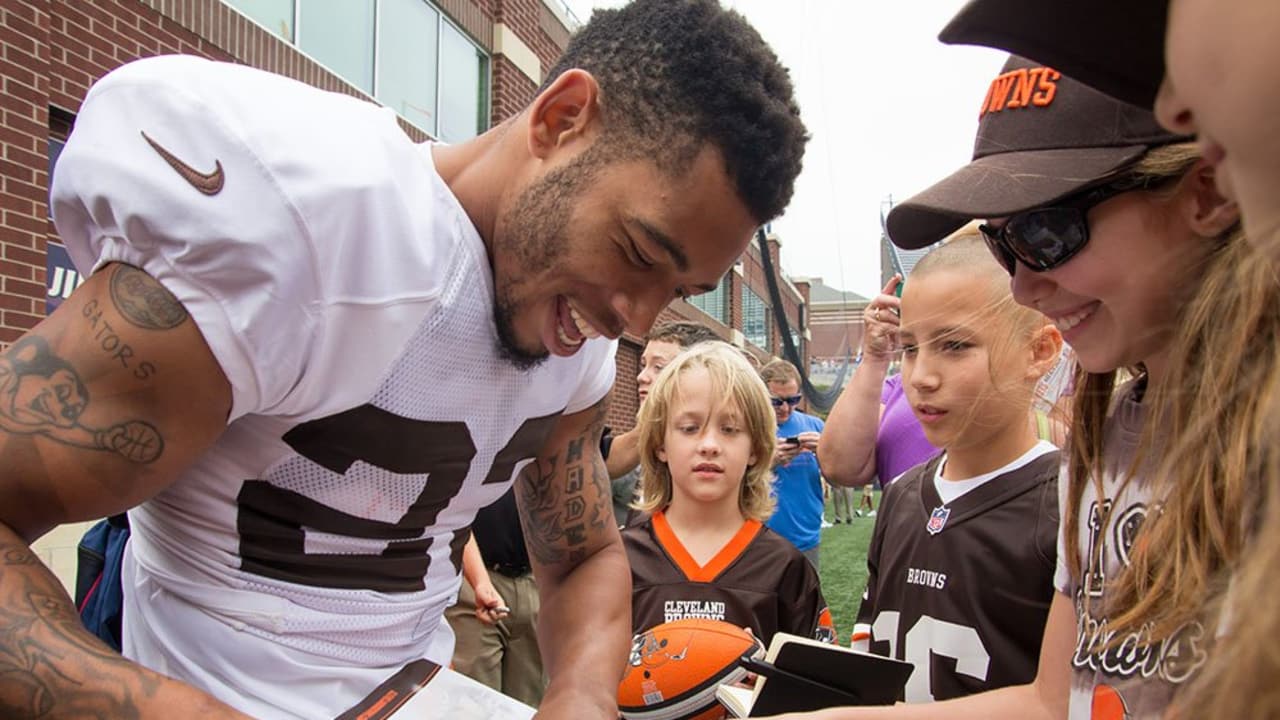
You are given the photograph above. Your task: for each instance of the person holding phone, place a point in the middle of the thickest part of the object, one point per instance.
(798, 516)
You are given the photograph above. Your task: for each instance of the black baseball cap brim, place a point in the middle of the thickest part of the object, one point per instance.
(1116, 46)
(1001, 185)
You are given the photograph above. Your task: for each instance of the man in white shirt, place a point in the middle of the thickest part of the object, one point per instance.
(310, 350)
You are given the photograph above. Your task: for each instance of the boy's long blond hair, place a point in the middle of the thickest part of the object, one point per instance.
(735, 381)
(1210, 416)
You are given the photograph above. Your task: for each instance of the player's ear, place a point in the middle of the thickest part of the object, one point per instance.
(567, 110)
(1046, 346)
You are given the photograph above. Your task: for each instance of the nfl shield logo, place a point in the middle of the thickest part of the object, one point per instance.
(938, 520)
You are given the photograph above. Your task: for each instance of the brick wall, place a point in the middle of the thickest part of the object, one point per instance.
(24, 131)
(512, 90)
(51, 51)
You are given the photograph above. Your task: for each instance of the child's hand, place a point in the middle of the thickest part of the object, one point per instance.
(880, 322)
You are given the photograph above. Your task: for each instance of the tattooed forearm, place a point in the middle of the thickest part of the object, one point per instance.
(42, 394)
(110, 342)
(565, 496)
(143, 301)
(51, 667)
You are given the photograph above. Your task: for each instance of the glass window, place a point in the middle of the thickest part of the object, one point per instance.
(755, 319)
(340, 36)
(712, 303)
(274, 15)
(407, 60)
(462, 86)
(405, 53)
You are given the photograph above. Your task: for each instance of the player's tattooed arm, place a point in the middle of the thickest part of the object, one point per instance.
(567, 495)
(53, 668)
(104, 402)
(42, 394)
(584, 624)
(101, 406)
(143, 301)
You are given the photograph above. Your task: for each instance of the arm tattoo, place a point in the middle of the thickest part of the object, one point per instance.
(567, 499)
(108, 340)
(143, 301)
(42, 394)
(44, 652)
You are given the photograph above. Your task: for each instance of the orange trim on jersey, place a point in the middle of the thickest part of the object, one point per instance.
(716, 565)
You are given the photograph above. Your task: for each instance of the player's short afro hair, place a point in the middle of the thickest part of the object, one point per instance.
(676, 74)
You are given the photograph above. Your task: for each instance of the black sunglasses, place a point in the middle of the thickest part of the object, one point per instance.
(1044, 238)
(793, 400)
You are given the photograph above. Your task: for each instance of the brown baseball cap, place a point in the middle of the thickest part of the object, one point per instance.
(1116, 46)
(1041, 137)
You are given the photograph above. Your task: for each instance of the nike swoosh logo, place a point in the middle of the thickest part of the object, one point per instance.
(209, 183)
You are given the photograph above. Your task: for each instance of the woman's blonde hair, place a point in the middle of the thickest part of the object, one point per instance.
(1203, 440)
(1240, 678)
(734, 380)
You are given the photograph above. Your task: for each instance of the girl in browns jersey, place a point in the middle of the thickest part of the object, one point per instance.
(960, 567)
(707, 434)
(1177, 55)
(1116, 230)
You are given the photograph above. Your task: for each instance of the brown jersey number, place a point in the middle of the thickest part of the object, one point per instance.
(273, 521)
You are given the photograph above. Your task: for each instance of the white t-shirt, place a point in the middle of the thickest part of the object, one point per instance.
(949, 490)
(349, 301)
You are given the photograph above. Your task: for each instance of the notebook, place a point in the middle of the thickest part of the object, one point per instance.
(799, 674)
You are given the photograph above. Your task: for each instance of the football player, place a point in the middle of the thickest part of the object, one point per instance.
(347, 343)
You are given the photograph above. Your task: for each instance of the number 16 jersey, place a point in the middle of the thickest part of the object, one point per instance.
(961, 589)
(349, 301)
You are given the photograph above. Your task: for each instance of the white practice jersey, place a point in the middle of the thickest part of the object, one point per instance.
(344, 292)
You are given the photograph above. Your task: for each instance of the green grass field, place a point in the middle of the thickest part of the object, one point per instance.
(844, 568)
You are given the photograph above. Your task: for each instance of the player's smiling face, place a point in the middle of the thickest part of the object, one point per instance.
(706, 445)
(595, 248)
(960, 395)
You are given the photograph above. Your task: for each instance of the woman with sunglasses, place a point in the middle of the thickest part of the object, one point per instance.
(1210, 67)
(1113, 228)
